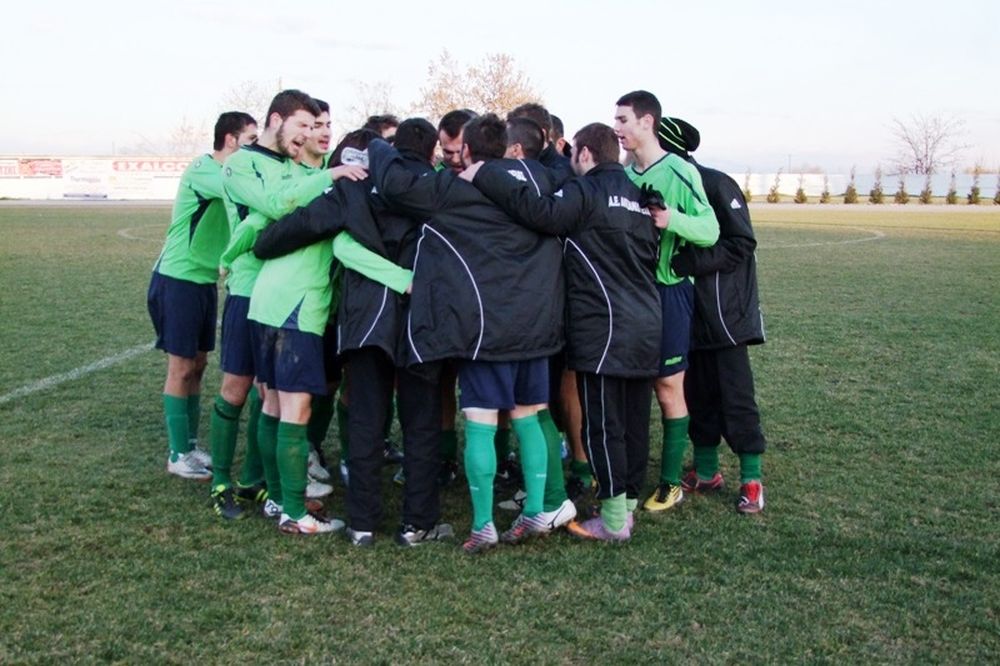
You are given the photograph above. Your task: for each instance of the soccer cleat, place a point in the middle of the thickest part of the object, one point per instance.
(391, 454)
(515, 503)
(560, 516)
(315, 489)
(255, 494)
(667, 496)
(316, 470)
(201, 455)
(751, 497)
(271, 509)
(691, 483)
(409, 536)
(523, 528)
(594, 529)
(225, 503)
(187, 466)
(359, 538)
(448, 473)
(480, 540)
(308, 524)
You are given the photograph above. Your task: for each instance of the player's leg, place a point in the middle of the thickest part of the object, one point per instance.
(701, 387)
(742, 424)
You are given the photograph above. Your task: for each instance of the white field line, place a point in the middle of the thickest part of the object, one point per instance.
(127, 233)
(76, 373)
(875, 235)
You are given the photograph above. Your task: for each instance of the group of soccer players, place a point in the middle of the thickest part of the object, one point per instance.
(559, 288)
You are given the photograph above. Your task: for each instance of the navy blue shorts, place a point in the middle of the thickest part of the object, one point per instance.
(288, 360)
(502, 385)
(183, 315)
(237, 348)
(675, 336)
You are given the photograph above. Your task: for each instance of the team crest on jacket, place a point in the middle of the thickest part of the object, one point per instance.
(615, 201)
(519, 175)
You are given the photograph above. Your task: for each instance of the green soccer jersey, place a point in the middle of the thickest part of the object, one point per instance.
(692, 219)
(199, 229)
(261, 186)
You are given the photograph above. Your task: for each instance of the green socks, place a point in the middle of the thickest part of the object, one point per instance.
(194, 416)
(319, 420)
(555, 485)
(253, 469)
(706, 462)
(534, 459)
(480, 468)
(750, 467)
(267, 440)
(675, 439)
(614, 511)
(631, 504)
(581, 470)
(292, 455)
(175, 411)
(225, 429)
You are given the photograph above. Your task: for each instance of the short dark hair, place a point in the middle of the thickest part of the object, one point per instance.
(486, 137)
(230, 122)
(453, 121)
(528, 133)
(643, 103)
(536, 112)
(558, 131)
(418, 135)
(381, 123)
(323, 106)
(359, 139)
(287, 102)
(600, 139)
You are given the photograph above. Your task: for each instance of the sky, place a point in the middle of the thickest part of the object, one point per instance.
(769, 85)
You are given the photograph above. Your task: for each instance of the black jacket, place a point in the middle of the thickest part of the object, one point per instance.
(551, 158)
(484, 287)
(610, 252)
(369, 314)
(726, 305)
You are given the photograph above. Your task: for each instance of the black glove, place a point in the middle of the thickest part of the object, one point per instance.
(649, 197)
(683, 262)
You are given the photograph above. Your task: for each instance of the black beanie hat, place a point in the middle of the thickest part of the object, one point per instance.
(677, 136)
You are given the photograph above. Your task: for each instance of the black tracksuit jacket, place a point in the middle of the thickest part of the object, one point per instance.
(610, 253)
(369, 314)
(484, 288)
(726, 304)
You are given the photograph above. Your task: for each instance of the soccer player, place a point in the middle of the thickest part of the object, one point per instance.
(501, 314)
(370, 324)
(727, 318)
(690, 220)
(182, 297)
(262, 183)
(612, 311)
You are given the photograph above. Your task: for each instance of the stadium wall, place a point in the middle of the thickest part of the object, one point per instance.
(156, 178)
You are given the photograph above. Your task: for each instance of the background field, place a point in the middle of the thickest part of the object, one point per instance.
(879, 390)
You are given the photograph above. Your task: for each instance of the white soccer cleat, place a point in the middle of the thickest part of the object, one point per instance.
(316, 471)
(560, 516)
(187, 466)
(309, 524)
(315, 489)
(201, 455)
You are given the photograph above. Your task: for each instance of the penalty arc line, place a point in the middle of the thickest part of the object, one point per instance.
(876, 235)
(76, 373)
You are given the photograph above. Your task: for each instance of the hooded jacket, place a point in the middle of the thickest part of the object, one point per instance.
(727, 308)
(484, 287)
(613, 314)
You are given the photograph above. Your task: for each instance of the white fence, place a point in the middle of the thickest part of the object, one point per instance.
(151, 178)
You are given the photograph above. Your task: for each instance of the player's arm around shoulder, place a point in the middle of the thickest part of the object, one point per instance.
(697, 224)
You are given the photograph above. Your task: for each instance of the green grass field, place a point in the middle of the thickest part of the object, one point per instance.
(880, 393)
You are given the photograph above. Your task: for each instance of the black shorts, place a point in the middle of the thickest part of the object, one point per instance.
(237, 348)
(677, 301)
(288, 360)
(502, 385)
(183, 315)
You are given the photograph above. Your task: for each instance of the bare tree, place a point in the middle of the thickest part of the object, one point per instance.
(495, 85)
(927, 144)
(188, 138)
(253, 97)
(371, 99)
